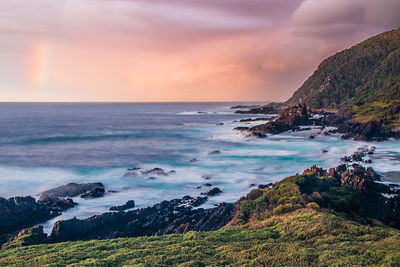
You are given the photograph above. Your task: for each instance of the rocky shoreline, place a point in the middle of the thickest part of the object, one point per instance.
(376, 200)
(293, 117)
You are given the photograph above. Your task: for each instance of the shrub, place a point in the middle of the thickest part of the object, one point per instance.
(281, 209)
(313, 206)
(254, 194)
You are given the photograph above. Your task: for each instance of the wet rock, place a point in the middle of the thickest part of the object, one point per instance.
(215, 152)
(193, 160)
(69, 190)
(345, 136)
(167, 217)
(327, 133)
(290, 119)
(206, 177)
(220, 124)
(21, 212)
(95, 193)
(244, 106)
(252, 185)
(311, 137)
(213, 192)
(267, 109)
(128, 205)
(208, 185)
(241, 128)
(257, 134)
(324, 151)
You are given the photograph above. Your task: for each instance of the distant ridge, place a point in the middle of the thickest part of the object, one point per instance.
(365, 78)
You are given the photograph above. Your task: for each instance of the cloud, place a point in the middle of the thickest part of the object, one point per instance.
(323, 18)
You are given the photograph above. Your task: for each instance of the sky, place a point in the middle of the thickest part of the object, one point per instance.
(175, 50)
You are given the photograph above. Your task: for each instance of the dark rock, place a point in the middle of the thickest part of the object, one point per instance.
(21, 212)
(257, 134)
(324, 151)
(198, 187)
(267, 109)
(69, 190)
(167, 217)
(215, 152)
(345, 136)
(193, 160)
(128, 205)
(206, 177)
(255, 119)
(251, 185)
(219, 124)
(327, 133)
(213, 192)
(95, 193)
(311, 137)
(290, 119)
(244, 106)
(208, 185)
(241, 128)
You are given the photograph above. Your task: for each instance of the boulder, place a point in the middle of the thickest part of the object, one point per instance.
(21, 212)
(128, 205)
(69, 190)
(95, 193)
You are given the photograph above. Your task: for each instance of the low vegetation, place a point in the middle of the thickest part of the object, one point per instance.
(302, 237)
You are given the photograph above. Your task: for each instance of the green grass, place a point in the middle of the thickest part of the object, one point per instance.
(303, 237)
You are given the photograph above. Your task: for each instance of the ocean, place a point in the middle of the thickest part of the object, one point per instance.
(45, 145)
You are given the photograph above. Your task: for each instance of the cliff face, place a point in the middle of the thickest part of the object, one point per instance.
(365, 77)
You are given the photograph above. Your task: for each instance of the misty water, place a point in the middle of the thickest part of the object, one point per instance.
(45, 145)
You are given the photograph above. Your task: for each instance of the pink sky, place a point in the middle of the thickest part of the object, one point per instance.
(175, 50)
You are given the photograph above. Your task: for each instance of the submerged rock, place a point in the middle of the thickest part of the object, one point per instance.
(95, 193)
(213, 192)
(128, 205)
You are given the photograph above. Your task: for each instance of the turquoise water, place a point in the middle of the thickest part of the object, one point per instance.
(47, 145)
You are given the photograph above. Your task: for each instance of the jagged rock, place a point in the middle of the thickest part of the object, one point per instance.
(21, 212)
(128, 205)
(267, 109)
(95, 193)
(69, 190)
(213, 192)
(166, 217)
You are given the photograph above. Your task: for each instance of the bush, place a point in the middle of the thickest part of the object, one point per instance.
(281, 209)
(254, 194)
(342, 198)
(313, 206)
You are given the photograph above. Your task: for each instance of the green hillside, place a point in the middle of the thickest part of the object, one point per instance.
(304, 220)
(303, 237)
(366, 77)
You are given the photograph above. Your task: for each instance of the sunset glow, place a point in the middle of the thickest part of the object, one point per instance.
(177, 51)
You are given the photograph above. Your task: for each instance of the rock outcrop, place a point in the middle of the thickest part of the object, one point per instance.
(69, 190)
(21, 212)
(167, 217)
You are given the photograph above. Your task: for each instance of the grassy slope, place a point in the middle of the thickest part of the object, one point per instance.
(365, 76)
(303, 237)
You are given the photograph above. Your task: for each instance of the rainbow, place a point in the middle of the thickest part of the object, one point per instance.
(39, 70)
